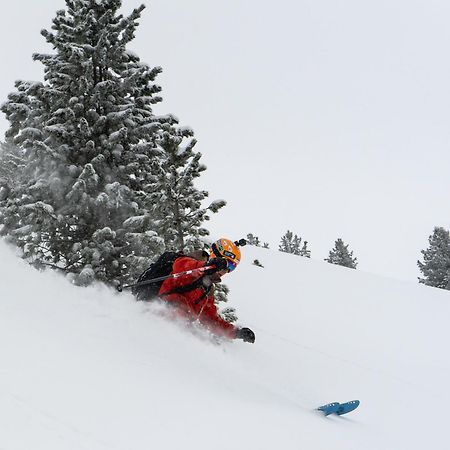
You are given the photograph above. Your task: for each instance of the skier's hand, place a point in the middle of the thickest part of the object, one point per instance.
(218, 263)
(245, 334)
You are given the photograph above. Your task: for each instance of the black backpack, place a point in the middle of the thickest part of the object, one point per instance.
(160, 268)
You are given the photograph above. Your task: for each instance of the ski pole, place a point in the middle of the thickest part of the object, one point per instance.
(120, 288)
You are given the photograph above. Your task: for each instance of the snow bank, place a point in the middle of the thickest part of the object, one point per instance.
(92, 369)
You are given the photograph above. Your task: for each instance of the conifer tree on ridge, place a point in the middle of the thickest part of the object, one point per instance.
(435, 266)
(290, 243)
(341, 255)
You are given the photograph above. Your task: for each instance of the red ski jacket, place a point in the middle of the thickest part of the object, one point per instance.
(197, 303)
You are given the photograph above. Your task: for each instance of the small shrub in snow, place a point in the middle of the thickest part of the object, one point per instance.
(291, 243)
(341, 255)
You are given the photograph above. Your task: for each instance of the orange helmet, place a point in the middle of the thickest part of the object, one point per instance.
(224, 248)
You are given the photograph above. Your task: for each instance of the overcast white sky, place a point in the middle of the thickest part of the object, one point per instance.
(327, 118)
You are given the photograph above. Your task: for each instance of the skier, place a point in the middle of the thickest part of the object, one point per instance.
(193, 295)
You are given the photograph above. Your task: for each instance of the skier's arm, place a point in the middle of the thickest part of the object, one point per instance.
(182, 264)
(223, 328)
(211, 319)
(186, 263)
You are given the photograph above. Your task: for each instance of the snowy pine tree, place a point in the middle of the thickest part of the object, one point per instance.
(341, 255)
(290, 243)
(11, 168)
(88, 137)
(221, 292)
(176, 202)
(254, 240)
(229, 314)
(305, 252)
(436, 260)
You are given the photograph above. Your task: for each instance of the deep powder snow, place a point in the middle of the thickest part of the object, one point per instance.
(92, 369)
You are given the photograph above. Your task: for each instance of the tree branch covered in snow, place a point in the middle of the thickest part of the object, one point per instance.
(82, 177)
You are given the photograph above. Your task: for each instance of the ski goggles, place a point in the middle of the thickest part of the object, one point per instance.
(231, 265)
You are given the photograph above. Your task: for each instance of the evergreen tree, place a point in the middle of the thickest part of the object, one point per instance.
(341, 255)
(229, 314)
(176, 202)
(305, 251)
(290, 243)
(221, 292)
(253, 240)
(88, 139)
(436, 260)
(11, 168)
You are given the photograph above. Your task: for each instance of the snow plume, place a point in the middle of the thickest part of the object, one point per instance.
(44, 288)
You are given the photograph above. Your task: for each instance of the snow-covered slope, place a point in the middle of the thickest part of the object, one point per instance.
(92, 369)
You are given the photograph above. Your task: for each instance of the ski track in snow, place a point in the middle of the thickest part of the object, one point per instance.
(344, 361)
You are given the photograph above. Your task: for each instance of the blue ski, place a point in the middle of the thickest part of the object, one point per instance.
(339, 408)
(330, 408)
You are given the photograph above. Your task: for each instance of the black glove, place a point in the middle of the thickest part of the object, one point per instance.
(218, 263)
(246, 335)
